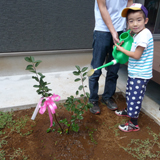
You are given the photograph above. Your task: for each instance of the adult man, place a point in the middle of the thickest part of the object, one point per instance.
(108, 25)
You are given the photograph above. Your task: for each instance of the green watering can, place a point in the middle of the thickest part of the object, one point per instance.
(119, 57)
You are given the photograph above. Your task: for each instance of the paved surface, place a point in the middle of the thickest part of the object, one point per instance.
(17, 92)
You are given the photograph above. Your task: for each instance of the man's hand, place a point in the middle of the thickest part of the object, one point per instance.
(115, 37)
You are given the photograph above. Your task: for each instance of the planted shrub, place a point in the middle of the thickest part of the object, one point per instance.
(75, 106)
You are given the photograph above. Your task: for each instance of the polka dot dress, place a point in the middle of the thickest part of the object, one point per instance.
(135, 90)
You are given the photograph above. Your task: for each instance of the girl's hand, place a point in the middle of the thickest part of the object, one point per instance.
(119, 48)
(119, 44)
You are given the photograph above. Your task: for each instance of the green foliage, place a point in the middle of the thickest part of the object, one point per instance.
(49, 130)
(142, 149)
(75, 106)
(2, 155)
(91, 132)
(6, 120)
(9, 126)
(72, 104)
(42, 88)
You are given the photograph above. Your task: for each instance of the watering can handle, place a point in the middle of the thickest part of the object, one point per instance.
(129, 31)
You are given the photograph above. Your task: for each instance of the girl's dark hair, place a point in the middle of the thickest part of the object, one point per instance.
(134, 11)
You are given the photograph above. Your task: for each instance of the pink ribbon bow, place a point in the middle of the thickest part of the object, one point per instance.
(50, 104)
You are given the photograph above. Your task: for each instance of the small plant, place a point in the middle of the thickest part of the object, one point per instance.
(17, 153)
(90, 132)
(6, 120)
(74, 105)
(42, 88)
(142, 149)
(2, 155)
(9, 126)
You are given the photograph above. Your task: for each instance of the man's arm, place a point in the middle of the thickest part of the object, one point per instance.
(130, 2)
(107, 19)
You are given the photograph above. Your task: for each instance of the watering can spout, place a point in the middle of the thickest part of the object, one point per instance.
(91, 71)
(113, 62)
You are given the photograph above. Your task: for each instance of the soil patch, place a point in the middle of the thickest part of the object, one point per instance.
(98, 138)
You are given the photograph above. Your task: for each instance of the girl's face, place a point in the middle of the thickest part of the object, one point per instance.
(136, 22)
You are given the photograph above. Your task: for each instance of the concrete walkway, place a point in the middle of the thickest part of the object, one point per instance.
(17, 92)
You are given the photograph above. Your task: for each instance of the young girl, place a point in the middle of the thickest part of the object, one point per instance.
(139, 66)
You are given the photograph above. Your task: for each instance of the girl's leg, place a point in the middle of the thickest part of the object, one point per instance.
(137, 88)
(136, 91)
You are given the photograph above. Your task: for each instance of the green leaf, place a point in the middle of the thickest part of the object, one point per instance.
(78, 79)
(53, 130)
(48, 130)
(86, 108)
(67, 131)
(79, 106)
(84, 74)
(46, 94)
(28, 59)
(32, 59)
(33, 71)
(88, 95)
(76, 111)
(75, 127)
(68, 125)
(35, 78)
(89, 105)
(78, 68)
(78, 100)
(76, 73)
(82, 95)
(37, 63)
(41, 82)
(49, 94)
(84, 69)
(71, 97)
(81, 112)
(43, 100)
(80, 87)
(36, 86)
(85, 99)
(40, 74)
(73, 119)
(29, 67)
(53, 124)
(80, 117)
(63, 121)
(77, 92)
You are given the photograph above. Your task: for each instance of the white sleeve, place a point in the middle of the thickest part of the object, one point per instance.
(143, 38)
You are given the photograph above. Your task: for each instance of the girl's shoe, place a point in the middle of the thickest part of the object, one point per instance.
(122, 112)
(128, 127)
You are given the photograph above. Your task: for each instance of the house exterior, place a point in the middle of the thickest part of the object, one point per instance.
(54, 29)
(153, 7)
